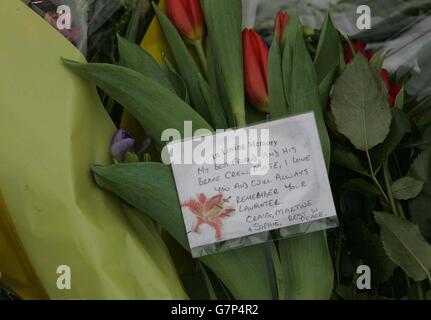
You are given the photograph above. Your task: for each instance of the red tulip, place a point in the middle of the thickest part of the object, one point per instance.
(187, 16)
(256, 69)
(281, 21)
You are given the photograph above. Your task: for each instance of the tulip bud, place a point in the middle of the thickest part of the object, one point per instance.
(256, 69)
(281, 21)
(187, 16)
(122, 142)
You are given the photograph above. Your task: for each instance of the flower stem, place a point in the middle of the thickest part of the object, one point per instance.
(374, 178)
(201, 54)
(388, 183)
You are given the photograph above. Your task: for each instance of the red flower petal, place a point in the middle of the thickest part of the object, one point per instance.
(281, 21)
(360, 48)
(385, 75)
(256, 69)
(187, 16)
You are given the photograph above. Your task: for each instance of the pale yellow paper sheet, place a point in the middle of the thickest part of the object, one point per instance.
(52, 128)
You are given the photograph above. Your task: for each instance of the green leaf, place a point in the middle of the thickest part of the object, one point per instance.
(134, 57)
(307, 267)
(300, 81)
(135, 19)
(327, 59)
(399, 100)
(361, 186)
(360, 105)
(405, 245)
(277, 99)
(214, 104)
(213, 75)
(155, 107)
(176, 80)
(224, 24)
(150, 187)
(345, 292)
(421, 169)
(419, 209)
(377, 60)
(424, 142)
(194, 285)
(399, 128)
(348, 160)
(424, 120)
(303, 93)
(406, 188)
(218, 287)
(289, 42)
(278, 270)
(325, 87)
(368, 247)
(210, 287)
(254, 116)
(187, 66)
(131, 157)
(305, 259)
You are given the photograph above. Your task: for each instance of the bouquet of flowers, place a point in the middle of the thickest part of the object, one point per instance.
(375, 139)
(373, 136)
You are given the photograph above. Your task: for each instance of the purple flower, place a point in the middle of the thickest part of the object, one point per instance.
(122, 142)
(144, 148)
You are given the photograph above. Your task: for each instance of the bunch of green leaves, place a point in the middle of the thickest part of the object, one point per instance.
(381, 174)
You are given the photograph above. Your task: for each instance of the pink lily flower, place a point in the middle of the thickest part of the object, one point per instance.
(209, 211)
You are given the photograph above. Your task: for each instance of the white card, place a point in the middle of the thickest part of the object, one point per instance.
(246, 191)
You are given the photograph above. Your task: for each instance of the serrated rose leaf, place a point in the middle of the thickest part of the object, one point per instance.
(406, 188)
(405, 245)
(360, 105)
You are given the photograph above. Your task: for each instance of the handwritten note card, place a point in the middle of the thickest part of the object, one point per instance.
(247, 191)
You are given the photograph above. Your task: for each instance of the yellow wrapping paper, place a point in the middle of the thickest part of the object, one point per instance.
(53, 128)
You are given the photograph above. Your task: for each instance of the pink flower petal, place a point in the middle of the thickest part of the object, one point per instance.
(194, 207)
(226, 213)
(202, 198)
